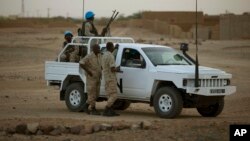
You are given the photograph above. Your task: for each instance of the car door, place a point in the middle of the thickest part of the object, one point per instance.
(134, 74)
(102, 87)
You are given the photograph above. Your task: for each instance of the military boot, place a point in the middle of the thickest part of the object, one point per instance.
(109, 112)
(86, 108)
(113, 113)
(93, 111)
(106, 111)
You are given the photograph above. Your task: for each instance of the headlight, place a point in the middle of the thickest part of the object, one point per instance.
(226, 82)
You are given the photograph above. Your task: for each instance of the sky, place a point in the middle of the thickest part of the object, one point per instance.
(103, 8)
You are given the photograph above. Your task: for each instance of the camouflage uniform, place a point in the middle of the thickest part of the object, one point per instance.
(74, 55)
(89, 29)
(93, 63)
(70, 54)
(108, 62)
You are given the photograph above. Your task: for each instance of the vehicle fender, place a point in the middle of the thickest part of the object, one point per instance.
(71, 79)
(158, 84)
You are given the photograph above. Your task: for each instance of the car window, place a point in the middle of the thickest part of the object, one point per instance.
(165, 56)
(132, 58)
(103, 49)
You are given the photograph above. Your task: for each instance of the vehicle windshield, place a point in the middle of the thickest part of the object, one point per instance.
(165, 56)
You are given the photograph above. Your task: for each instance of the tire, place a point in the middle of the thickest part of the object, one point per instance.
(121, 104)
(212, 110)
(168, 102)
(75, 98)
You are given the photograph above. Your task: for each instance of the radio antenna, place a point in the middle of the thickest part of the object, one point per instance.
(196, 83)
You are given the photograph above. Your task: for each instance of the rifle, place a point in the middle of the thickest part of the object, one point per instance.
(105, 29)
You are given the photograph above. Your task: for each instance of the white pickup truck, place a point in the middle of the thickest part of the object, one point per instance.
(158, 75)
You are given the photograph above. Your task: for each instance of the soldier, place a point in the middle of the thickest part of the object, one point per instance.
(109, 70)
(88, 27)
(92, 66)
(71, 53)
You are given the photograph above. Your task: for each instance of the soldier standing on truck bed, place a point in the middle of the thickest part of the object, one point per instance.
(88, 27)
(109, 71)
(92, 66)
(71, 53)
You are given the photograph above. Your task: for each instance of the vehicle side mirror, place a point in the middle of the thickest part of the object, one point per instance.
(184, 47)
(143, 64)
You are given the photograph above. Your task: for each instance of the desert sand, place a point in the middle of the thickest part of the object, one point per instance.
(24, 96)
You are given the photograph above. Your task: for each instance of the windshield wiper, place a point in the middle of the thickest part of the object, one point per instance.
(161, 64)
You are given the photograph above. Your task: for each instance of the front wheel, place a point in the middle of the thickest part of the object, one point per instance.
(168, 102)
(212, 110)
(75, 97)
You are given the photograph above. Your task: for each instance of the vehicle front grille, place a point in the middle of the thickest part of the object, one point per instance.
(208, 82)
(212, 82)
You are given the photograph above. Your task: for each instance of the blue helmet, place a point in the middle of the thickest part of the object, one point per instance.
(89, 15)
(68, 33)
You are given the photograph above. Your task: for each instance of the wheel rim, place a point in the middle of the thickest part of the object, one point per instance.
(165, 103)
(75, 97)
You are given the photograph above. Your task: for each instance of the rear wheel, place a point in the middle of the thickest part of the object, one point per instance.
(168, 102)
(121, 104)
(212, 110)
(75, 97)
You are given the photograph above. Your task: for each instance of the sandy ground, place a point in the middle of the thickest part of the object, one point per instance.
(24, 96)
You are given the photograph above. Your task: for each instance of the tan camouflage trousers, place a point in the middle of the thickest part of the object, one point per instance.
(111, 92)
(69, 58)
(93, 90)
